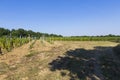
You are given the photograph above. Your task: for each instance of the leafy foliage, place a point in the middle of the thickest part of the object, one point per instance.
(86, 38)
(10, 43)
(24, 33)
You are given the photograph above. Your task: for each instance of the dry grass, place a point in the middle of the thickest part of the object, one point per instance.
(35, 65)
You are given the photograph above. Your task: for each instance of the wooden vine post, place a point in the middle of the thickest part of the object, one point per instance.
(29, 37)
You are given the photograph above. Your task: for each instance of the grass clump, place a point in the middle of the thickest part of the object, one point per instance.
(31, 46)
(3, 68)
(32, 53)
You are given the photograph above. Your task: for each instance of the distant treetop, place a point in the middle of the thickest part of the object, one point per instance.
(24, 33)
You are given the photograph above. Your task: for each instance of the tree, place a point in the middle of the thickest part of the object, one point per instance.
(4, 32)
(24, 33)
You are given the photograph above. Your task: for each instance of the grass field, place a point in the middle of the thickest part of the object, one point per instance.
(61, 60)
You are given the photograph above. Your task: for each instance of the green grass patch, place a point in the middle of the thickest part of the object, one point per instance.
(3, 68)
(32, 53)
(31, 46)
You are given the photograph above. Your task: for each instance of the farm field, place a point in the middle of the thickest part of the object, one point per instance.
(60, 40)
(61, 60)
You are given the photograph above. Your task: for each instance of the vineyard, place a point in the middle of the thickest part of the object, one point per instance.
(52, 57)
(89, 38)
(8, 44)
(59, 39)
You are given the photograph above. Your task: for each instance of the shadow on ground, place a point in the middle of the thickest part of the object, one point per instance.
(82, 64)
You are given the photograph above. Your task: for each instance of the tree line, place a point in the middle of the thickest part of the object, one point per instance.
(24, 33)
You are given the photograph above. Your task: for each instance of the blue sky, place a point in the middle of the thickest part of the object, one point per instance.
(65, 17)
